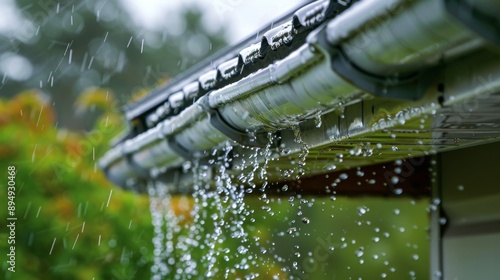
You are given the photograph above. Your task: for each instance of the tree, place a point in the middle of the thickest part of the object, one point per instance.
(71, 223)
(74, 45)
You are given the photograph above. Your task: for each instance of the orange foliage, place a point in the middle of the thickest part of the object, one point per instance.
(31, 108)
(182, 206)
(96, 97)
(64, 206)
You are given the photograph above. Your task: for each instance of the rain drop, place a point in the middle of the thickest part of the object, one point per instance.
(360, 252)
(394, 180)
(317, 121)
(362, 210)
(291, 230)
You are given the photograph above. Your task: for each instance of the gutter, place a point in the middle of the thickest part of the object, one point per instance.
(355, 72)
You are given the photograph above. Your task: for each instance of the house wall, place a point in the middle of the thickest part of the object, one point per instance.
(470, 213)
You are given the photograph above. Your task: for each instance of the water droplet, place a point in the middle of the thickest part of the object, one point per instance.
(438, 273)
(461, 188)
(291, 230)
(305, 220)
(317, 121)
(394, 180)
(360, 252)
(362, 210)
(285, 152)
(242, 249)
(356, 151)
(415, 257)
(396, 211)
(331, 167)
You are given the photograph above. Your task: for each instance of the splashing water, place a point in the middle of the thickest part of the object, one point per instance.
(304, 152)
(218, 237)
(159, 198)
(219, 213)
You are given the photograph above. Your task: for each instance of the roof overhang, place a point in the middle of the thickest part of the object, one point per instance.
(380, 81)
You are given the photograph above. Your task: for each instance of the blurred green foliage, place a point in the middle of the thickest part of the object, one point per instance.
(72, 223)
(346, 237)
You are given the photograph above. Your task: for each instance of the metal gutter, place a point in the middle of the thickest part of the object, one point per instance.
(376, 70)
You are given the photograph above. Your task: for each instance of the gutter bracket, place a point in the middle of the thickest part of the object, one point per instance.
(137, 184)
(260, 140)
(408, 87)
(178, 149)
(204, 158)
(144, 173)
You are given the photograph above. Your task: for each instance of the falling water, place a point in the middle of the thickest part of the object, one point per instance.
(217, 238)
(219, 213)
(304, 151)
(158, 200)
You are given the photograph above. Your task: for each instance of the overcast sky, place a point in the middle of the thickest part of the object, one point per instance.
(240, 17)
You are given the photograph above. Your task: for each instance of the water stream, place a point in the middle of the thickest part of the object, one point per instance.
(216, 232)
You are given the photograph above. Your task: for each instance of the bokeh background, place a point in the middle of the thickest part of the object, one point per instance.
(66, 70)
